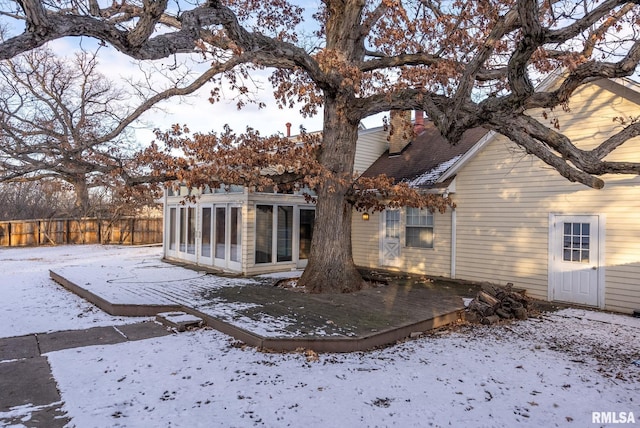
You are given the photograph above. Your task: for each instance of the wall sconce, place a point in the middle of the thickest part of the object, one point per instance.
(365, 216)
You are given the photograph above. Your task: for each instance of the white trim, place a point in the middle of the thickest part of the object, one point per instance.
(602, 228)
(550, 249)
(165, 215)
(467, 156)
(602, 222)
(454, 221)
(371, 130)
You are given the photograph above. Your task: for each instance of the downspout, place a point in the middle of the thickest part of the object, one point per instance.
(453, 242)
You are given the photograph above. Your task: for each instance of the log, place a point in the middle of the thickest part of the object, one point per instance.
(488, 298)
(481, 308)
(493, 303)
(520, 313)
(503, 314)
(490, 288)
(513, 303)
(492, 319)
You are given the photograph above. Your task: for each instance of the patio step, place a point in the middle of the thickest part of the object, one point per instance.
(179, 321)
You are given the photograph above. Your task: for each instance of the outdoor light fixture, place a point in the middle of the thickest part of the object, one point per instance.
(365, 216)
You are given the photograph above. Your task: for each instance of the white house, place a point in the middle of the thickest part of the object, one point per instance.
(516, 219)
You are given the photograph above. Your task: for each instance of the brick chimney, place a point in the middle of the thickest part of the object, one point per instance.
(401, 132)
(288, 125)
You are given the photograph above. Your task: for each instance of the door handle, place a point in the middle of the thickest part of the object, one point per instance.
(594, 268)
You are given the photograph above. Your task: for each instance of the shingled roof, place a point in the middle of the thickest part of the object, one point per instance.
(426, 158)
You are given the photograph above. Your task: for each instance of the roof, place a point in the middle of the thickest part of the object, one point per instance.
(426, 158)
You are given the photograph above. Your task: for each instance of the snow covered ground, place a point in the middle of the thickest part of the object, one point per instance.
(556, 370)
(32, 303)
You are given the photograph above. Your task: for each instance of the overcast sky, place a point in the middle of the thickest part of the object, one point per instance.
(196, 111)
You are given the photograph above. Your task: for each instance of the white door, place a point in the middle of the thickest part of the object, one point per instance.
(227, 237)
(182, 224)
(574, 259)
(390, 238)
(205, 255)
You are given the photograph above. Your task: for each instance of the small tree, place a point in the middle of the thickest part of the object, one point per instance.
(466, 63)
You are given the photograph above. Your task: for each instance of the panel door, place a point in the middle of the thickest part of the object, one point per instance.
(575, 259)
(390, 248)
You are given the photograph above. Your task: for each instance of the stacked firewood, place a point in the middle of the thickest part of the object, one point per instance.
(494, 303)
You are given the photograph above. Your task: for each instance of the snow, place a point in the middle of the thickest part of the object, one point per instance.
(543, 372)
(145, 279)
(33, 303)
(429, 177)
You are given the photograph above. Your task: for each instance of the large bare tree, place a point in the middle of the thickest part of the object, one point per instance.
(466, 63)
(56, 122)
(62, 119)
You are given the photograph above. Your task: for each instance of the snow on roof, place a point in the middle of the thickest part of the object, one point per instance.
(430, 177)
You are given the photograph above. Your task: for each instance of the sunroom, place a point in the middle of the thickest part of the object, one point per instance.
(234, 230)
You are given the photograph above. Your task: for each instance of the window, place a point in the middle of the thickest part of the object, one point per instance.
(419, 228)
(173, 235)
(220, 233)
(183, 229)
(264, 233)
(205, 249)
(278, 229)
(576, 242)
(307, 219)
(191, 231)
(236, 230)
(285, 234)
(392, 224)
(188, 230)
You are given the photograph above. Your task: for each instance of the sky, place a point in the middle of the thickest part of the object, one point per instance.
(555, 370)
(195, 110)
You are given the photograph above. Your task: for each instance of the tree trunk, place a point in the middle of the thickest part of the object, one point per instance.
(81, 190)
(330, 268)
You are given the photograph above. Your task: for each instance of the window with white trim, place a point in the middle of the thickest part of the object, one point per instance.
(418, 228)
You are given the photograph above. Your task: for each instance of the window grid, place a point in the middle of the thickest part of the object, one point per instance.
(576, 242)
(392, 224)
(419, 228)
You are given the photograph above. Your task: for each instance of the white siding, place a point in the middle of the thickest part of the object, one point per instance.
(434, 261)
(371, 144)
(365, 241)
(504, 198)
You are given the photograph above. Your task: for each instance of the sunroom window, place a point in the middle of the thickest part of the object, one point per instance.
(419, 228)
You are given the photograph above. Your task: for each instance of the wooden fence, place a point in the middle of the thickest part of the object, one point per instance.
(131, 231)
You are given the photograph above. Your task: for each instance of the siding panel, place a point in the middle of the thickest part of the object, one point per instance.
(504, 199)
